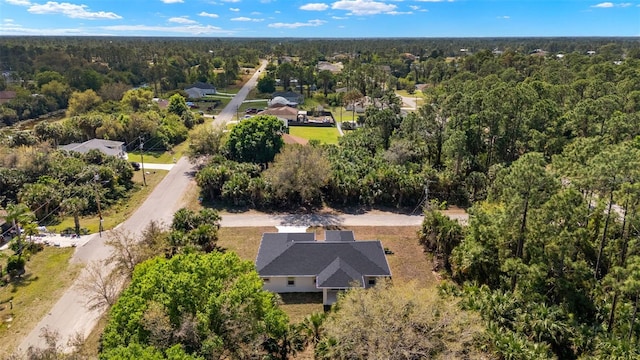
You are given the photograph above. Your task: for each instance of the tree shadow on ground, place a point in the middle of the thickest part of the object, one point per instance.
(22, 281)
(301, 298)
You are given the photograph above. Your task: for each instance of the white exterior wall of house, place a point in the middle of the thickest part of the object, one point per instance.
(280, 284)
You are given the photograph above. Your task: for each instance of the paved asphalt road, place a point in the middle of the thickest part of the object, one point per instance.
(70, 316)
(377, 218)
(231, 109)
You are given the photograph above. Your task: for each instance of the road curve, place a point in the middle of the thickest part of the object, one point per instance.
(70, 316)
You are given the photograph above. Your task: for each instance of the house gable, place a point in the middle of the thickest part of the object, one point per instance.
(336, 262)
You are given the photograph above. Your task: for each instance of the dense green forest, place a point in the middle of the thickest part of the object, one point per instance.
(538, 138)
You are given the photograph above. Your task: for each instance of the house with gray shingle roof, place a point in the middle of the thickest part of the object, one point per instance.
(107, 147)
(199, 90)
(297, 262)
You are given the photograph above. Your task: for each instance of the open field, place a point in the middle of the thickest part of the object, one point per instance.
(119, 212)
(407, 263)
(48, 275)
(326, 135)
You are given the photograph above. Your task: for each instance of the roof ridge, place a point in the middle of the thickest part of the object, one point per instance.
(352, 243)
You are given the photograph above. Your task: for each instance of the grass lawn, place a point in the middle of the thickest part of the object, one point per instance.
(160, 157)
(342, 115)
(326, 135)
(48, 275)
(407, 263)
(166, 157)
(119, 212)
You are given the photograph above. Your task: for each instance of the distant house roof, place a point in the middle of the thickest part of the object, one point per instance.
(283, 111)
(286, 94)
(162, 103)
(201, 85)
(333, 67)
(337, 262)
(6, 96)
(107, 147)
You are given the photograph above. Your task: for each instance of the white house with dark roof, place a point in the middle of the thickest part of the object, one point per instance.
(292, 98)
(200, 89)
(107, 147)
(297, 262)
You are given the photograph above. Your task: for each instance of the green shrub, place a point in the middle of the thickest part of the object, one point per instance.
(15, 265)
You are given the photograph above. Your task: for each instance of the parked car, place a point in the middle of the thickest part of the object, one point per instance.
(251, 111)
(135, 165)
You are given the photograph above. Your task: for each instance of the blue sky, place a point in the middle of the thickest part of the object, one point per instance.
(315, 18)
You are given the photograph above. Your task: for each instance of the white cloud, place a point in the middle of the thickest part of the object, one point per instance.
(608, 4)
(234, 9)
(206, 14)
(339, 17)
(414, 7)
(314, 7)
(506, 17)
(182, 20)
(71, 10)
(8, 20)
(244, 18)
(435, 0)
(363, 7)
(399, 13)
(19, 2)
(231, 1)
(15, 29)
(188, 29)
(172, 1)
(296, 25)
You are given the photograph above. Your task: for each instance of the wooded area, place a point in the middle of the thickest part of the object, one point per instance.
(537, 138)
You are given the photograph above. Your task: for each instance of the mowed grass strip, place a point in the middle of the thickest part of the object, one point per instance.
(48, 275)
(326, 135)
(408, 261)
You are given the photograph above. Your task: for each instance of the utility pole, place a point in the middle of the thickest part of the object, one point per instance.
(144, 178)
(96, 177)
(427, 205)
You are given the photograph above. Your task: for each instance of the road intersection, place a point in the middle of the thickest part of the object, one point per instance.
(70, 316)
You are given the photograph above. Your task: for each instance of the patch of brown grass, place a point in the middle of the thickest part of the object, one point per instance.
(408, 263)
(243, 241)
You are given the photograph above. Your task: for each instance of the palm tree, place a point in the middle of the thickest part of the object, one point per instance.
(74, 206)
(30, 229)
(19, 215)
(311, 328)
